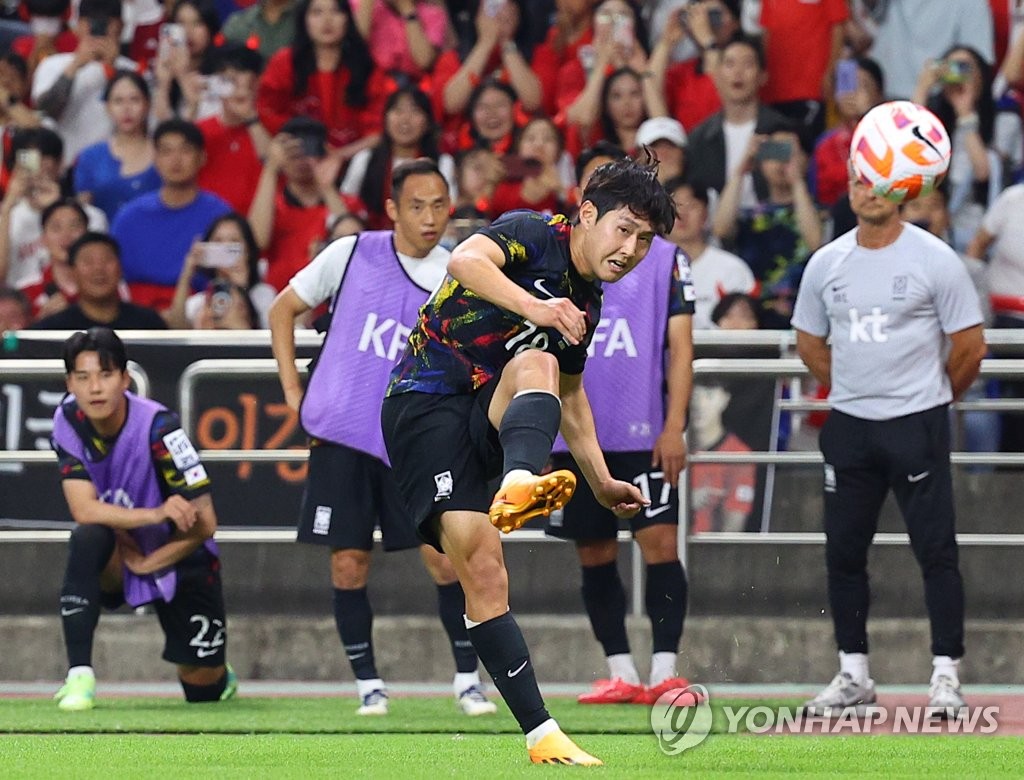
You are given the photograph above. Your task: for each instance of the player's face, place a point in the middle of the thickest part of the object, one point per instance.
(98, 390)
(870, 208)
(421, 214)
(614, 244)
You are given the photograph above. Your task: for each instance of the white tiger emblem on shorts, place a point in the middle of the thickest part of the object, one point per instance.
(444, 483)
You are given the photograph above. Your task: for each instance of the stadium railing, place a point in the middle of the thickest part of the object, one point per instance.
(782, 367)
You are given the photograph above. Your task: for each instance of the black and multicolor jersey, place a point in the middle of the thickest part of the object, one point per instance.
(174, 476)
(461, 341)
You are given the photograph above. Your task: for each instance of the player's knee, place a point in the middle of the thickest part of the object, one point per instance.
(599, 553)
(350, 569)
(204, 687)
(533, 361)
(439, 566)
(486, 577)
(659, 544)
(843, 561)
(91, 546)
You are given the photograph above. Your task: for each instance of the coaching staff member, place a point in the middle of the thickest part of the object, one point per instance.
(887, 317)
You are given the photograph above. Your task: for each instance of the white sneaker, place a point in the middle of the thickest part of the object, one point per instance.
(944, 699)
(842, 693)
(473, 702)
(374, 703)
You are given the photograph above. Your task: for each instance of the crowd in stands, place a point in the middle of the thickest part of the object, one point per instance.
(174, 164)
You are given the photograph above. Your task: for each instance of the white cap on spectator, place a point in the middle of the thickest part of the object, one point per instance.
(660, 128)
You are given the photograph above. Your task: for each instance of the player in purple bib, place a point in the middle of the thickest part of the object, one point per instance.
(638, 380)
(375, 283)
(140, 498)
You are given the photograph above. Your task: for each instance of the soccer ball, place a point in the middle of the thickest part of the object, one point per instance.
(900, 150)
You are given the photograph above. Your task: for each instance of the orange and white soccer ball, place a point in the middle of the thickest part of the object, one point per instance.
(900, 150)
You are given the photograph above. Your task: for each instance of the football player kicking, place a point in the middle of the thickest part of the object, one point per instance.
(492, 370)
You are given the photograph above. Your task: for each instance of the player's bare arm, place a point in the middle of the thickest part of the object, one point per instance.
(817, 356)
(670, 448)
(965, 356)
(181, 544)
(87, 509)
(476, 264)
(286, 308)
(577, 427)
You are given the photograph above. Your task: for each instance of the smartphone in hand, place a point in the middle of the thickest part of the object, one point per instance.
(846, 77)
(781, 151)
(220, 254)
(29, 160)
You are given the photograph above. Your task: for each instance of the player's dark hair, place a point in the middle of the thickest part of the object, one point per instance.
(633, 184)
(63, 203)
(192, 135)
(600, 149)
(92, 237)
(103, 341)
(419, 166)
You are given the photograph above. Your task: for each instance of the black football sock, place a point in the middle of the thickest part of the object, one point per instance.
(451, 605)
(528, 429)
(89, 550)
(502, 648)
(354, 619)
(605, 600)
(666, 605)
(203, 693)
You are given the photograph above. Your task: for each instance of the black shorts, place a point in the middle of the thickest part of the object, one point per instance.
(584, 519)
(194, 623)
(444, 451)
(348, 494)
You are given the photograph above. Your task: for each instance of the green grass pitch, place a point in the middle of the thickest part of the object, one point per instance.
(426, 738)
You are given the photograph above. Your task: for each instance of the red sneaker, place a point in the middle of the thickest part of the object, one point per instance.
(616, 691)
(651, 695)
